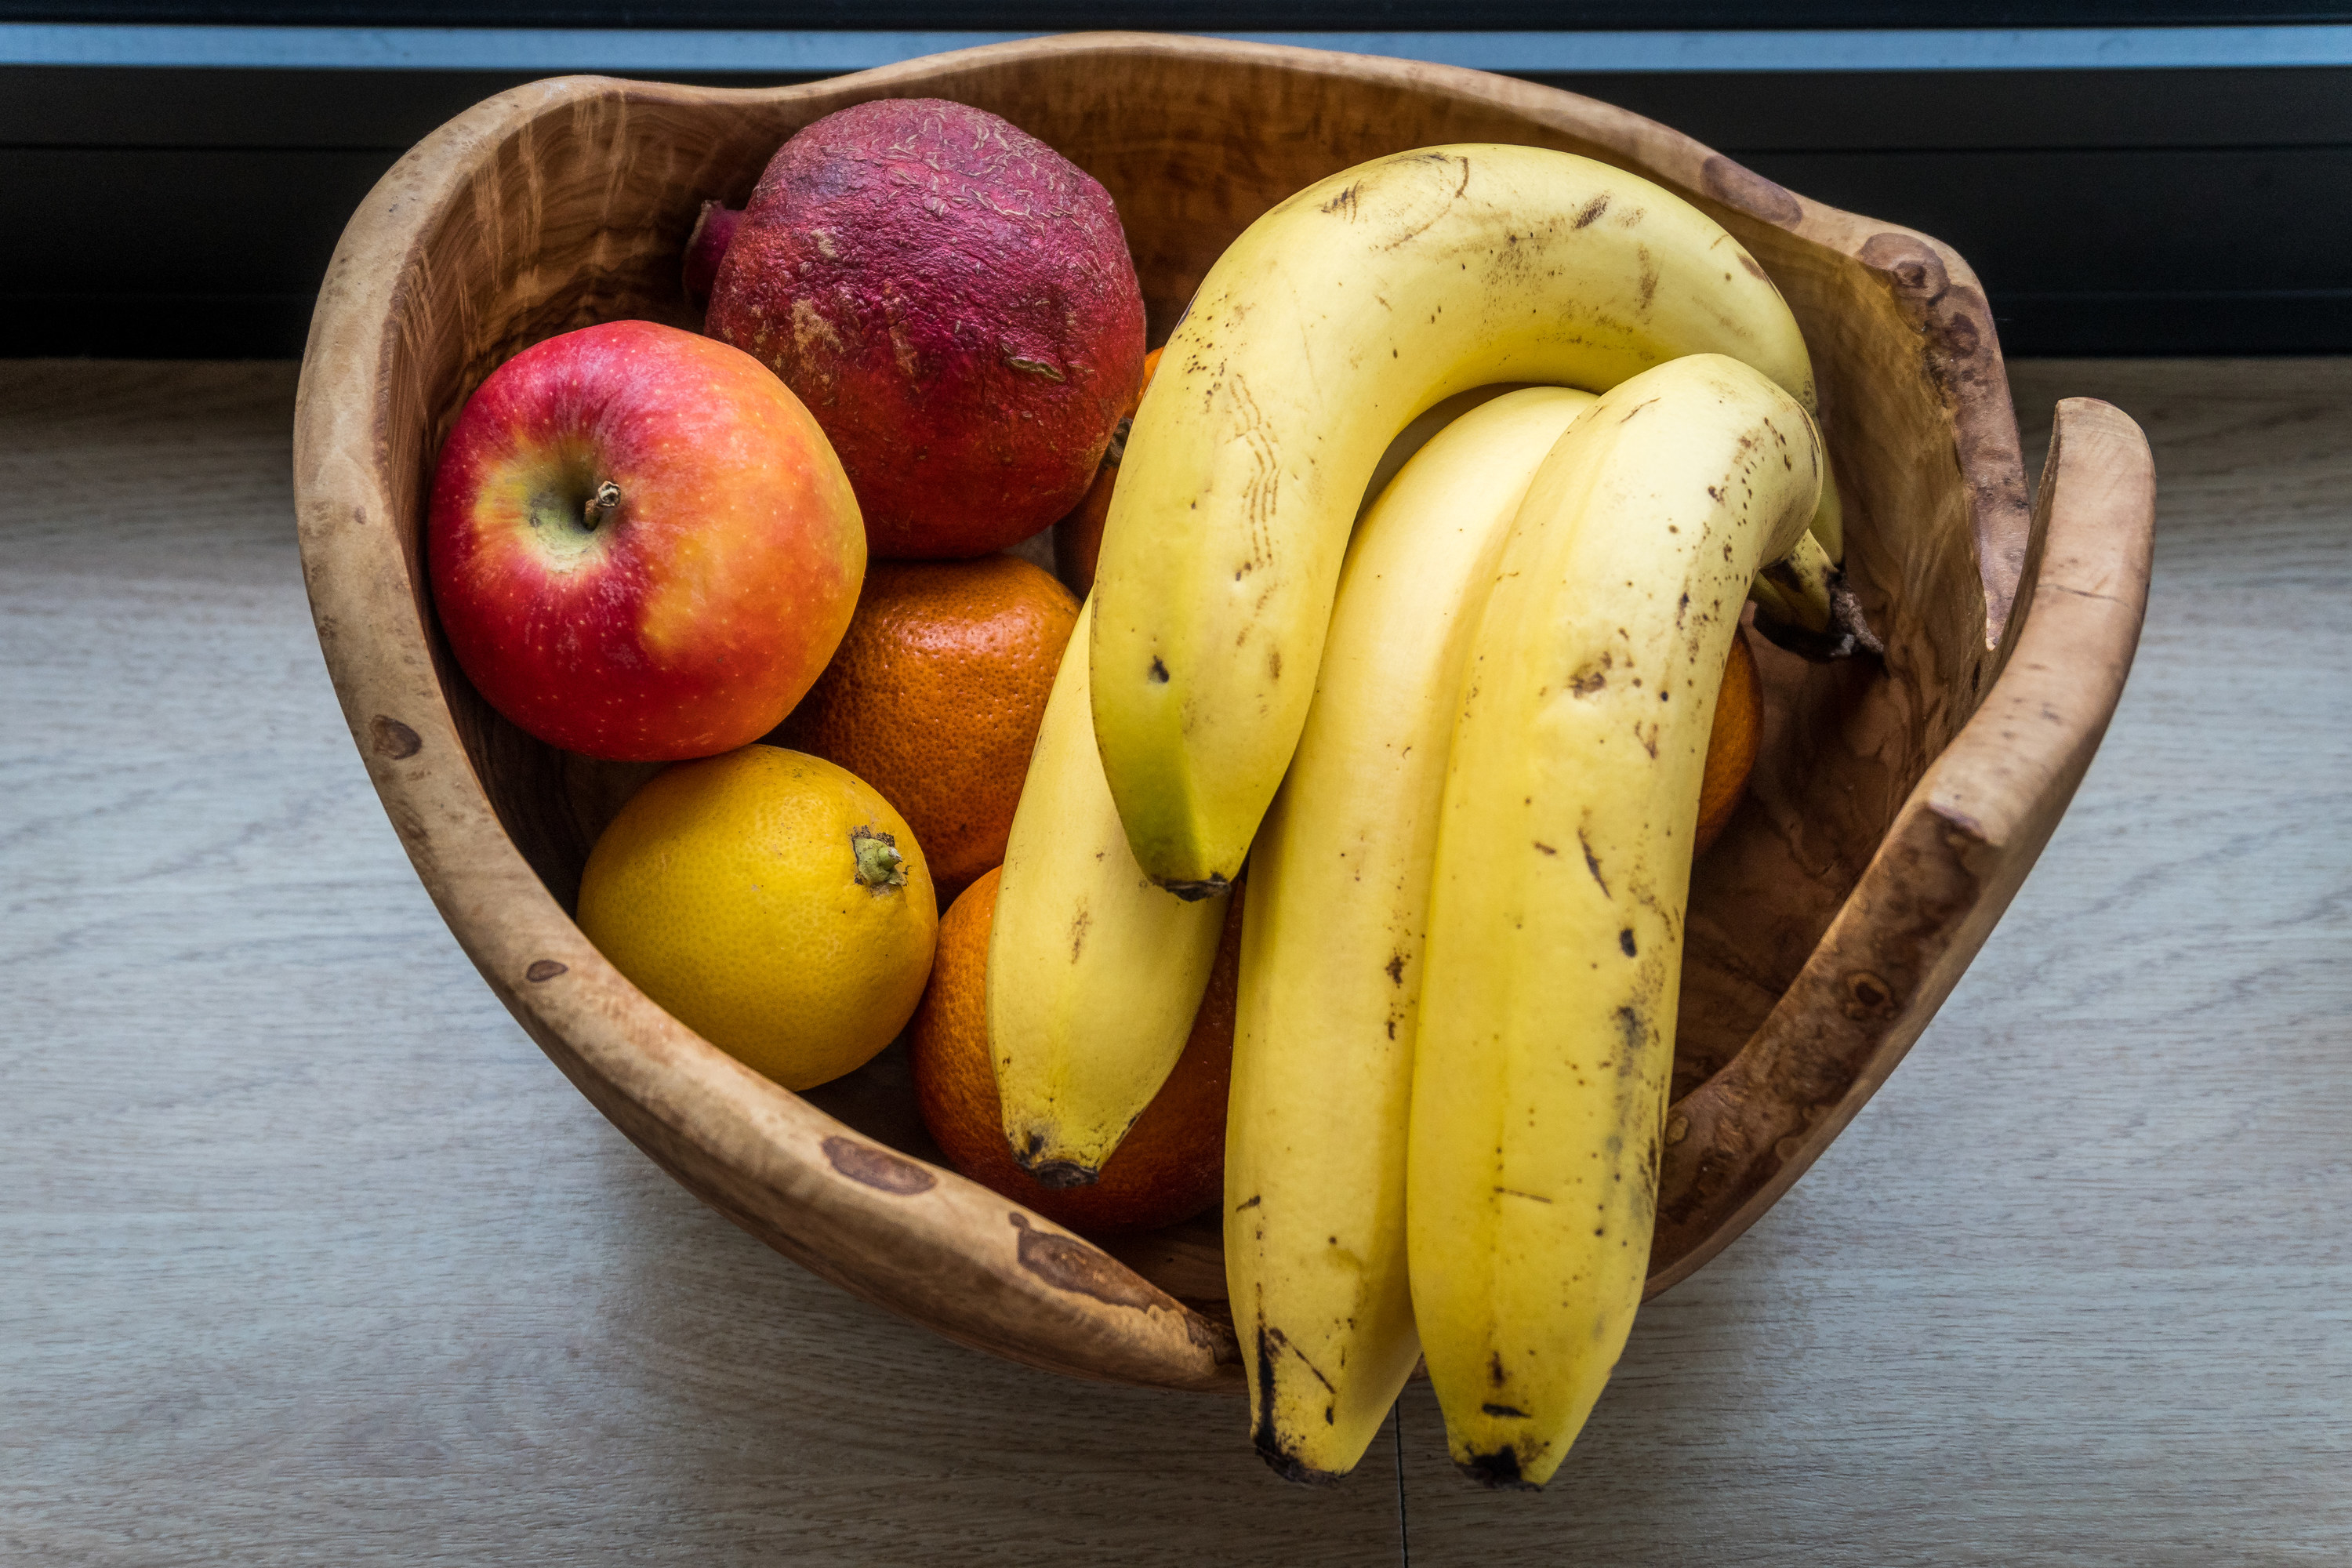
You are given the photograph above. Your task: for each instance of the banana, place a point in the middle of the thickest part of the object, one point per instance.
(1554, 955)
(1799, 586)
(1094, 974)
(1319, 332)
(1322, 1076)
(1828, 527)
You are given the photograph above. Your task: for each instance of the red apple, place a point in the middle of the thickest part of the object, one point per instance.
(641, 547)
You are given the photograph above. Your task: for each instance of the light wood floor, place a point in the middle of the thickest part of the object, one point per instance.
(308, 1255)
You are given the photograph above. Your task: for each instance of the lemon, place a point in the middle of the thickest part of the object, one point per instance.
(774, 903)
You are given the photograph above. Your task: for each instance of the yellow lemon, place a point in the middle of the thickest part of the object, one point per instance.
(774, 903)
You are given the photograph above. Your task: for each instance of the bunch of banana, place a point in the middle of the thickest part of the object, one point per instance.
(1331, 948)
(1327, 325)
(1485, 700)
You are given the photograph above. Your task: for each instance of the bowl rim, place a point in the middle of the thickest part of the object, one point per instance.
(971, 1265)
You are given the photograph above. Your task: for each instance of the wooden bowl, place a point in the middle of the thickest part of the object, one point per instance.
(1897, 807)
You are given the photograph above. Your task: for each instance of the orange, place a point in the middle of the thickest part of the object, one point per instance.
(1169, 1167)
(935, 696)
(774, 903)
(1731, 744)
(1077, 538)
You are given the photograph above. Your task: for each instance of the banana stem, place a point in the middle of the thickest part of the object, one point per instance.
(1803, 605)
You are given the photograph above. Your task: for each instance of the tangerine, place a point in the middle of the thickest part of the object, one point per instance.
(1731, 745)
(935, 696)
(1169, 1167)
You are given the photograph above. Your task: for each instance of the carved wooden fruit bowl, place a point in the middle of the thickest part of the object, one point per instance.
(1897, 808)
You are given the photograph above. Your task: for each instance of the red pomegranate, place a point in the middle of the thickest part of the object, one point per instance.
(954, 302)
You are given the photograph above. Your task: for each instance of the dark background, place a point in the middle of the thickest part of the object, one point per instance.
(155, 211)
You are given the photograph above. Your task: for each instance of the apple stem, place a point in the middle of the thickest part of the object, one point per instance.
(603, 504)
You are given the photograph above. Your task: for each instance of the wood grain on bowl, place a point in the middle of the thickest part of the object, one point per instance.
(1896, 808)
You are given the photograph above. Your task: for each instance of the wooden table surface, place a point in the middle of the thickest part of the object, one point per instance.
(308, 1255)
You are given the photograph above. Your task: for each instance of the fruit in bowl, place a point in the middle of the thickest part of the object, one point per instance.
(955, 303)
(1170, 1165)
(774, 903)
(778, 905)
(935, 696)
(641, 547)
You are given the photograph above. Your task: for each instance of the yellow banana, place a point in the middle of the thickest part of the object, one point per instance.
(1554, 953)
(1094, 974)
(1799, 587)
(1327, 326)
(1828, 527)
(1322, 1077)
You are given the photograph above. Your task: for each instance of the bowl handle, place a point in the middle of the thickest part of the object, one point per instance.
(1956, 853)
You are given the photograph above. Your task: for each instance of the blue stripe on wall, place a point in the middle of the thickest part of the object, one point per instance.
(639, 51)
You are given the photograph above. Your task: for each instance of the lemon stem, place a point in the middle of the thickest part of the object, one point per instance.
(880, 864)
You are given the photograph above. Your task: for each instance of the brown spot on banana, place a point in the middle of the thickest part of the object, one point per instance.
(1592, 861)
